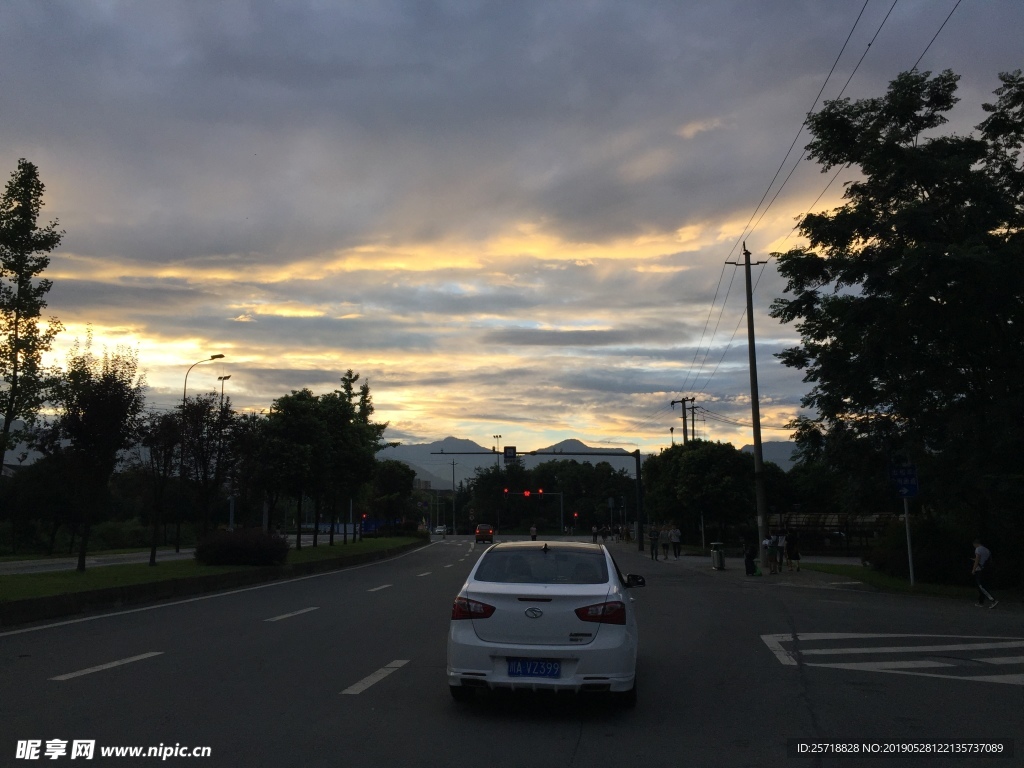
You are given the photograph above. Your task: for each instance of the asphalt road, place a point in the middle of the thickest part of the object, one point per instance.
(347, 669)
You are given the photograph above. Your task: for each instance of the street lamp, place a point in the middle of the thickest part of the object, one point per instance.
(222, 379)
(497, 450)
(181, 453)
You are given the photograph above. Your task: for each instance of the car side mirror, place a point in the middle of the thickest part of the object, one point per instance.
(632, 580)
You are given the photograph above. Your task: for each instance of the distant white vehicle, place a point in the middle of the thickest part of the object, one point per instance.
(544, 616)
(440, 530)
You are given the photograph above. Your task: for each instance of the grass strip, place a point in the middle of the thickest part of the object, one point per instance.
(887, 583)
(35, 585)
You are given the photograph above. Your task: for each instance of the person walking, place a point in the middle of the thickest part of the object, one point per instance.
(533, 533)
(652, 534)
(981, 569)
(675, 536)
(793, 551)
(593, 533)
(663, 540)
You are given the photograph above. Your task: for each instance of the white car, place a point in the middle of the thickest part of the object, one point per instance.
(440, 530)
(544, 616)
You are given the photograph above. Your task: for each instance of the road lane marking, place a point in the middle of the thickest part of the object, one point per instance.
(425, 573)
(294, 613)
(111, 665)
(449, 565)
(378, 589)
(376, 677)
(913, 648)
(800, 652)
(226, 593)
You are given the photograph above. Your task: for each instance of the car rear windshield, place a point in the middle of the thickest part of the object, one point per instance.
(537, 566)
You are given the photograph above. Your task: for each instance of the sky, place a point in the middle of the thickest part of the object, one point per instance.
(511, 218)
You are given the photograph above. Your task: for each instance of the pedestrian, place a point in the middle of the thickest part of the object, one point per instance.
(981, 569)
(604, 534)
(773, 553)
(593, 533)
(793, 551)
(675, 536)
(533, 533)
(749, 553)
(652, 534)
(663, 537)
(781, 542)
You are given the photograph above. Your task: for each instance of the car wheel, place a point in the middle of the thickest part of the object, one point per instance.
(461, 692)
(626, 699)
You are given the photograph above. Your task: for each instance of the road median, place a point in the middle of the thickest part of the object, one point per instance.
(43, 607)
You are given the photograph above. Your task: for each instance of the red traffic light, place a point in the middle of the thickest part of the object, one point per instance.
(526, 493)
(575, 514)
(540, 490)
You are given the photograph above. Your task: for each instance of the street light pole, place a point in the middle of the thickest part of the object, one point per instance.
(181, 452)
(222, 379)
(497, 450)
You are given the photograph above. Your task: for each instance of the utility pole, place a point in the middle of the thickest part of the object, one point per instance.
(693, 419)
(684, 401)
(759, 493)
(454, 494)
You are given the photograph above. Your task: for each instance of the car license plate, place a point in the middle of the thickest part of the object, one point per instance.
(534, 668)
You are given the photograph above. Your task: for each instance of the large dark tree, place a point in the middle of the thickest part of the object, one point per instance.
(909, 299)
(99, 403)
(24, 254)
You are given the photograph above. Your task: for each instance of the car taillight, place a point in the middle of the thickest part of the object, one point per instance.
(603, 613)
(464, 608)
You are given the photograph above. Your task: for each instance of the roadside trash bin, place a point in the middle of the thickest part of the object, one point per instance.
(718, 555)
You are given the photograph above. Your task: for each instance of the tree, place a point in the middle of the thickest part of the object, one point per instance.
(909, 299)
(207, 421)
(99, 402)
(157, 458)
(24, 254)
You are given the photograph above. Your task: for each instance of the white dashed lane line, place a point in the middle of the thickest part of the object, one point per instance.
(294, 613)
(449, 565)
(111, 665)
(425, 573)
(376, 677)
(378, 589)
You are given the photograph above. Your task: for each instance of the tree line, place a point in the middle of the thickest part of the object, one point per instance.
(106, 456)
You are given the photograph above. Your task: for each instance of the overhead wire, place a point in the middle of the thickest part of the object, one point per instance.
(758, 206)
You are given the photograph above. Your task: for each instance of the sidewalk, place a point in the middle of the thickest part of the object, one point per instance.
(735, 571)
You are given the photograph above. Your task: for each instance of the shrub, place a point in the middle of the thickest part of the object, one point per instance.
(245, 546)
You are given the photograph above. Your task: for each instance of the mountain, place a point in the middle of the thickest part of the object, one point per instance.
(779, 452)
(432, 462)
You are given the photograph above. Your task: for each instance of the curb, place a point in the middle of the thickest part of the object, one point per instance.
(59, 606)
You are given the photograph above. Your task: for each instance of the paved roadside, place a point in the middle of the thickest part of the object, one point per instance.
(734, 569)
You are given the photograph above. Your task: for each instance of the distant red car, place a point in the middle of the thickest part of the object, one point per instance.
(485, 532)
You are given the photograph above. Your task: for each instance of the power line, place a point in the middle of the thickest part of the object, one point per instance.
(757, 207)
(936, 34)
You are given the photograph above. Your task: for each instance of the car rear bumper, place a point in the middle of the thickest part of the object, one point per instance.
(606, 664)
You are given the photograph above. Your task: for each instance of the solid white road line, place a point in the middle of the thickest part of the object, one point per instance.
(295, 613)
(376, 677)
(111, 665)
(378, 589)
(214, 596)
(912, 648)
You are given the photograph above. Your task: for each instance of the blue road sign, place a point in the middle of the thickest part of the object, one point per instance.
(510, 453)
(905, 479)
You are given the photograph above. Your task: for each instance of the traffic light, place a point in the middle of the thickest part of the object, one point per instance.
(540, 491)
(526, 494)
(575, 515)
(506, 493)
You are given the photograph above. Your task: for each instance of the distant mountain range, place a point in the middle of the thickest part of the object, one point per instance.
(432, 462)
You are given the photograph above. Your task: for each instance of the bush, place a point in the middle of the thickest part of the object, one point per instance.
(245, 546)
(130, 534)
